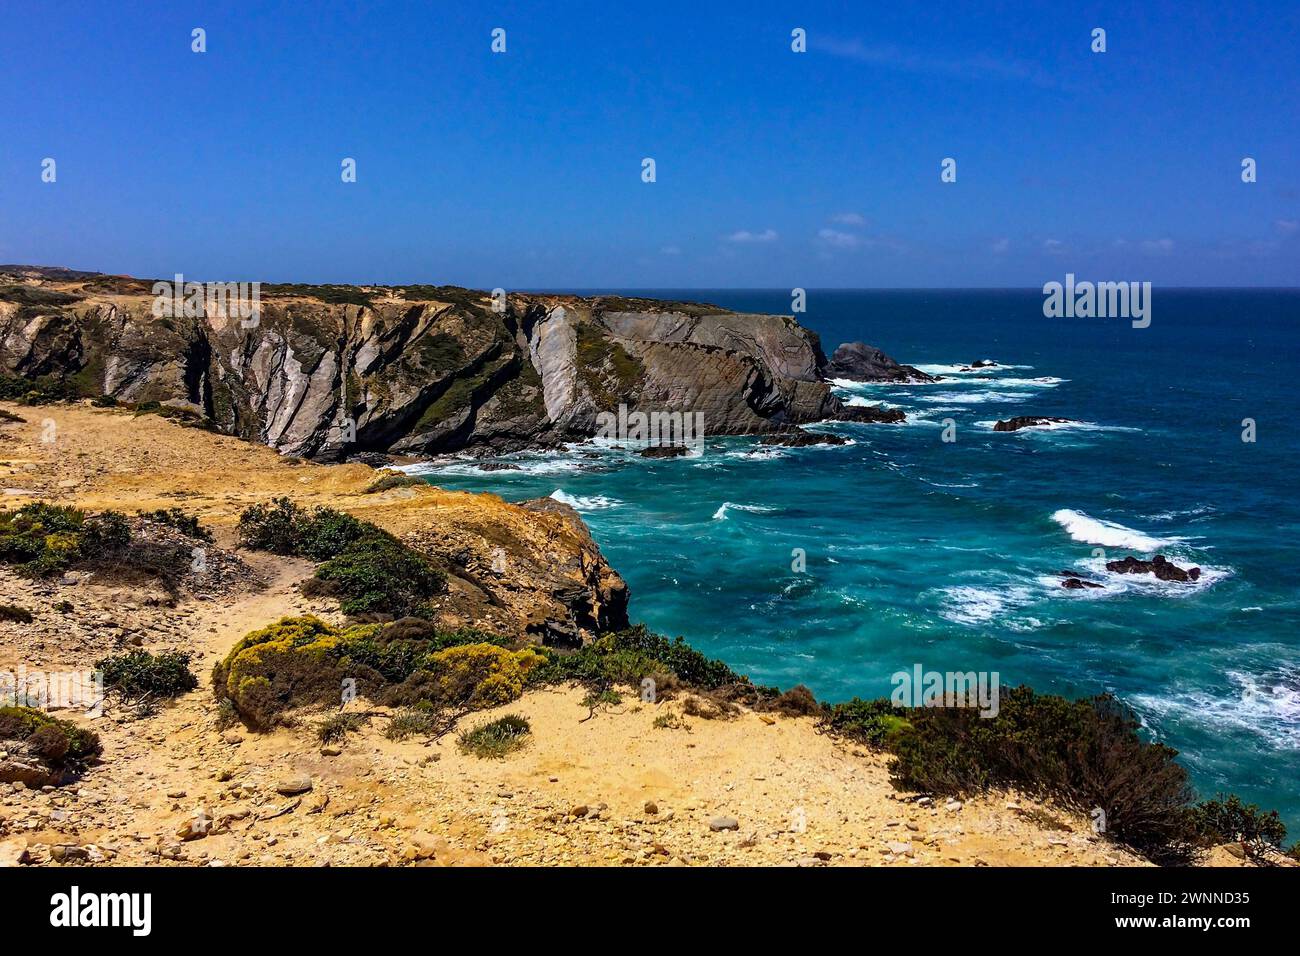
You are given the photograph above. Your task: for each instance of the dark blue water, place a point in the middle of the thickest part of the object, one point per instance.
(945, 553)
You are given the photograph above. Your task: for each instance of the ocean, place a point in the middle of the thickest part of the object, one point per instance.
(947, 553)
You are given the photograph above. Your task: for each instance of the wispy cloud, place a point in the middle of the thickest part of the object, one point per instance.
(849, 219)
(1286, 227)
(744, 235)
(979, 66)
(839, 239)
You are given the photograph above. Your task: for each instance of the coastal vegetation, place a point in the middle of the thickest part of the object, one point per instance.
(137, 674)
(367, 569)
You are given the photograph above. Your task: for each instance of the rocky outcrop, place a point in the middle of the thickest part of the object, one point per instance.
(859, 362)
(874, 414)
(1029, 421)
(1160, 566)
(333, 371)
(803, 439)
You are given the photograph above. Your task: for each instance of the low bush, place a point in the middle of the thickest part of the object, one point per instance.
(41, 390)
(140, 673)
(868, 722)
(392, 479)
(629, 656)
(186, 524)
(367, 569)
(336, 727)
(412, 722)
(304, 661)
(496, 739)
(41, 539)
(23, 723)
(292, 663)
(378, 574)
(1228, 819)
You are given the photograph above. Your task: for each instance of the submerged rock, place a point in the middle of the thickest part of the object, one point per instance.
(859, 362)
(1160, 566)
(871, 413)
(1029, 421)
(665, 451)
(804, 439)
(1078, 584)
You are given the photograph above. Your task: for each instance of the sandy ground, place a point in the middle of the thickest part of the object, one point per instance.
(608, 788)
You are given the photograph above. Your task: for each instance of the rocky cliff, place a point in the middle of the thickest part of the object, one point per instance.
(330, 371)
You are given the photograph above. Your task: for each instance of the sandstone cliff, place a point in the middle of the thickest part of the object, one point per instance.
(331, 371)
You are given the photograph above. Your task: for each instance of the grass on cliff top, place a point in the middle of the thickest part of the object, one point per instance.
(619, 303)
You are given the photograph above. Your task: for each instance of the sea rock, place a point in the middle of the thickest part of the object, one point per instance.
(665, 451)
(859, 362)
(871, 413)
(1161, 567)
(802, 439)
(1078, 584)
(1029, 421)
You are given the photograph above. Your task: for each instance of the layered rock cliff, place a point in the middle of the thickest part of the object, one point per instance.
(330, 371)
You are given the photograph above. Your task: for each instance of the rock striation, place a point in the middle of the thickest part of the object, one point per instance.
(329, 372)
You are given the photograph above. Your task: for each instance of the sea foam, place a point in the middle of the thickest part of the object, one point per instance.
(1107, 534)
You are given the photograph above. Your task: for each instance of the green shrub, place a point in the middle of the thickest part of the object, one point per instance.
(378, 574)
(336, 727)
(392, 479)
(633, 654)
(21, 723)
(1084, 753)
(42, 539)
(868, 722)
(292, 663)
(187, 525)
(496, 739)
(1226, 819)
(411, 722)
(140, 673)
(41, 390)
(367, 569)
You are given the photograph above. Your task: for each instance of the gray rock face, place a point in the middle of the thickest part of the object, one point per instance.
(328, 372)
(859, 362)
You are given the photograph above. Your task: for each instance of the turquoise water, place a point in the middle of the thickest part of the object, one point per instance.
(945, 554)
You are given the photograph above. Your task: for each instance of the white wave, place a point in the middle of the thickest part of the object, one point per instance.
(964, 369)
(721, 513)
(585, 502)
(1060, 427)
(1107, 534)
(1265, 705)
(968, 604)
(766, 453)
(974, 398)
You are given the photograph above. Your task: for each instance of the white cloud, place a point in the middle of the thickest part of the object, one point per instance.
(1286, 226)
(838, 239)
(1001, 246)
(744, 235)
(849, 219)
(671, 251)
(1158, 247)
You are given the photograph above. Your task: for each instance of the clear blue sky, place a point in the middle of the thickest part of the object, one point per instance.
(775, 169)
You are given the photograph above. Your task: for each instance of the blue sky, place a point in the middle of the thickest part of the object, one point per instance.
(774, 169)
